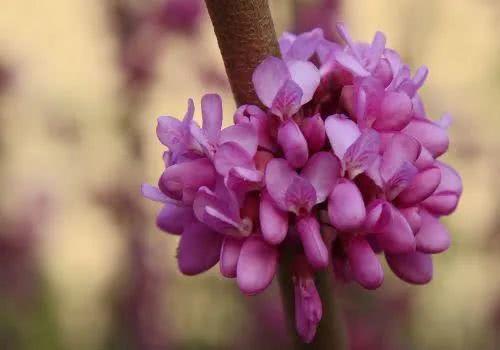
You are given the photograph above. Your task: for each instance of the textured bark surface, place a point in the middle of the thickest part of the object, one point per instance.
(245, 33)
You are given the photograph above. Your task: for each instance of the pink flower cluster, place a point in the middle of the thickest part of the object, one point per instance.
(340, 166)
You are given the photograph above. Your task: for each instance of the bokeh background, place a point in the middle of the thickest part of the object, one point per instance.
(82, 265)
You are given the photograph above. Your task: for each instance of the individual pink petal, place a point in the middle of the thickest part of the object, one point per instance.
(293, 143)
(300, 196)
(397, 236)
(244, 135)
(376, 49)
(268, 78)
(442, 203)
(400, 180)
(304, 45)
(341, 132)
(285, 42)
(230, 155)
(173, 218)
(278, 177)
(378, 216)
(200, 136)
(242, 180)
(306, 76)
(273, 221)
(229, 255)
(313, 129)
(425, 159)
(450, 179)
(199, 249)
(362, 154)
(414, 267)
(314, 246)
(256, 265)
(412, 215)
(395, 112)
(346, 208)
(422, 186)
(287, 100)
(430, 135)
(365, 266)
(351, 64)
(182, 180)
(211, 111)
(400, 149)
(169, 131)
(153, 193)
(322, 171)
(433, 237)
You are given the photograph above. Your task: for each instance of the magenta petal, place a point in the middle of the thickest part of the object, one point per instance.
(182, 180)
(314, 246)
(170, 132)
(306, 76)
(278, 177)
(230, 155)
(443, 203)
(346, 208)
(174, 218)
(433, 237)
(322, 171)
(414, 267)
(294, 144)
(412, 215)
(268, 78)
(304, 45)
(351, 64)
(199, 249)
(450, 179)
(362, 154)
(242, 180)
(153, 193)
(211, 111)
(313, 129)
(287, 100)
(378, 216)
(229, 256)
(365, 266)
(400, 149)
(395, 112)
(421, 187)
(300, 196)
(256, 265)
(400, 180)
(429, 134)
(397, 236)
(342, 133)
(425, 159)
(244, 135)
(273, 221)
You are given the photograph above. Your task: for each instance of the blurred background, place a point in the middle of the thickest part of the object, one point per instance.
(82, 265)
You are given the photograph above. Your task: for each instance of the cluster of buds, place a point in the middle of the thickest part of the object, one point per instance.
(338, 164)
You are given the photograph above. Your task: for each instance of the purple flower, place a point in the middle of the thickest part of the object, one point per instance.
(339, 166)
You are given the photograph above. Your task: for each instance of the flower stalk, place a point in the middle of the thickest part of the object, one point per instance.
(246, 36)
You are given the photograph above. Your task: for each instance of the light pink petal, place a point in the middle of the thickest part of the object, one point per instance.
(314, 246)
(229, 256)
(395, 112)
(285, 42)
(230, 155)
(378, 216)
(322, 171)
(244, 135)
(425, 159)
(421, 187)
(170, 132)
(362, 154)
(268, 78)
(306, 75)
(365, 266)
(420, 76)
(351, 64)
(242, 180)
(304, 45)
(211, 111)
(173, 218)
(430, 135)
(313, 129)
(273, 221)
(375, 51)
(346, 208)
(414, 267)
(293, 143)
(287, 100)
(400, 180)
(450, 180)
(342, 133)
(401, 149)
(153, 193)
(300, 196)
(256, 265)
(200, 136)
(199, 249)
(433, 237)
(278, 177)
